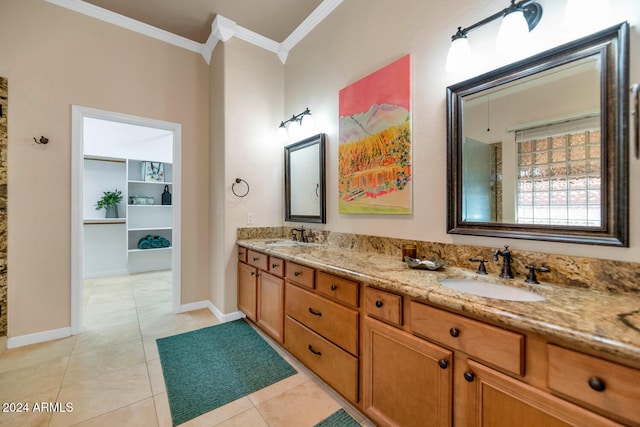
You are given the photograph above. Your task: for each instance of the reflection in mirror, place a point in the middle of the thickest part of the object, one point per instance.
(305, 180)
(537, 149)
(531, 149)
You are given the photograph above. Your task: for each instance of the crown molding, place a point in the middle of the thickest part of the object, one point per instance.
(128, 23)
(222, 29)
(317, 16)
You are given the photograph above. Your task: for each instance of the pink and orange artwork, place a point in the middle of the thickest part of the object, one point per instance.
(374, 152)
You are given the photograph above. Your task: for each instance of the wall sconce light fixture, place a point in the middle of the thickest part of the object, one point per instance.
(518, 19)
(293, 127)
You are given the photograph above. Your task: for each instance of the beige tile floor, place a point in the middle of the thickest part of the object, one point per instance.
(111, 375)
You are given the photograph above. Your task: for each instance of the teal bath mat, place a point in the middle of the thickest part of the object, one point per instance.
(339, 418)
(210, 367)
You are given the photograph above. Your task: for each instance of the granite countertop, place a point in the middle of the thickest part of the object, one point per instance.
(589, 319)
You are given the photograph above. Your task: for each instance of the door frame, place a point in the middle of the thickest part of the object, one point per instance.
(78, 113)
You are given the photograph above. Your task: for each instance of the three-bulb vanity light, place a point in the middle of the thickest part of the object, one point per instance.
(517, 20)
(294, 128)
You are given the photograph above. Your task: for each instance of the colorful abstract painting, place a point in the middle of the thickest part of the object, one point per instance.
(374, 154)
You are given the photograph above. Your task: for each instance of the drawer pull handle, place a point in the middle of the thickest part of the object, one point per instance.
(297, 273)
(597, 384)
(315, 313)
(443, 363)
(274, 265)
(316, 352)
(253, 273)
(258, 275)
(454, 332)
(469, 376)
(256, 258)
(378, 303)
(334, 287)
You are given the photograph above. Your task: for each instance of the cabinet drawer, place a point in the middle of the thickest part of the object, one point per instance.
(276, 266)
(300, 274)
(337, 367)
(499, 347)
(383, 305)
(333, 321)
(257, 259)
(242, 254)
(577, 376)
(338, 288)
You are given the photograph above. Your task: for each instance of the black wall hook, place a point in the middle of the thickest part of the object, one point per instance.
(43, 140)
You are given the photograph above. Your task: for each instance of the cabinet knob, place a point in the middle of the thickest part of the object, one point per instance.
(454, 332)
(256, 258)
(258, 275)
(296, 273)
(334, 287)
(597, 384)
(253, 273)
(469, 376)
(274, 265)
(378, 303)
(443, 363)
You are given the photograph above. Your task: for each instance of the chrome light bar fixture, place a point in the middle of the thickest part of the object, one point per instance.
(519, 17)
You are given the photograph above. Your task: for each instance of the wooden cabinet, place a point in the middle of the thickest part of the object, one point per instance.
(605, 386)
(409, 363)
(336, 366)
(495, 399)
(270, 305)
(499, 347)
(407, 380)
(261, 291)
(247, 290)
(322, 327)
(484, 381)
(337, 323)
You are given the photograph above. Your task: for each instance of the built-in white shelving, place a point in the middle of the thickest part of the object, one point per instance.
(114, 241)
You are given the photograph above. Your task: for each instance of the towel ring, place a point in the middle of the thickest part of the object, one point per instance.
(238, 181)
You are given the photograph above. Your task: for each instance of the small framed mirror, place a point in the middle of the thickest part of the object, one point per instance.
(304, 180)
(538, 149)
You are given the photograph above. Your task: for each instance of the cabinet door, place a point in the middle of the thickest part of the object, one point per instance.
(407, 380)
(494, 399)
(247, 287)
(271, 305)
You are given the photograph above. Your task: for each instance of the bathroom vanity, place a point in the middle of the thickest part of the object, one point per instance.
(406, 350)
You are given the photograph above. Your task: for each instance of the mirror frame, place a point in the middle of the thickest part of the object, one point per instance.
(612, 45)
(322, 217)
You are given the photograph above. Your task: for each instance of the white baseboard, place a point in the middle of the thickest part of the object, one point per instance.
(54, 334)
(222, 317)
(38, 337)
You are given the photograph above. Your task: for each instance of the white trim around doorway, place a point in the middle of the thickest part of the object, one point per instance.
(78, 113)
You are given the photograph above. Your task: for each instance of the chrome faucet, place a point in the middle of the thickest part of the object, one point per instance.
(506, 262)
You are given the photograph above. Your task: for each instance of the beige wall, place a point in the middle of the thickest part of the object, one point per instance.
(361, 36)
(54, 58)
(252, 92)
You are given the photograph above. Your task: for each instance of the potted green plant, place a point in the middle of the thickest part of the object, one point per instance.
(110, 202)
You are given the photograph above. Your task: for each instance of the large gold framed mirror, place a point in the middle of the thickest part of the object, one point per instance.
(538, 149)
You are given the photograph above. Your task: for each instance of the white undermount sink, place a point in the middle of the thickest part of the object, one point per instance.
(491, 290)
(283, 243)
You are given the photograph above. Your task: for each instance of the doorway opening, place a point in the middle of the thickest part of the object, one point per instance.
(137, 162)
